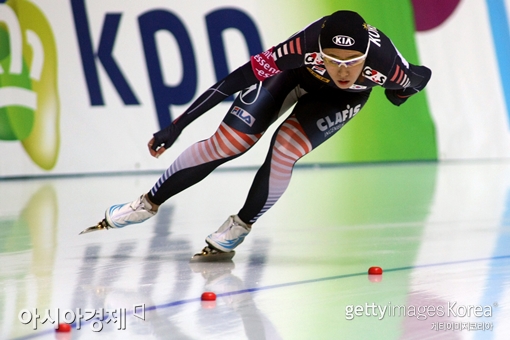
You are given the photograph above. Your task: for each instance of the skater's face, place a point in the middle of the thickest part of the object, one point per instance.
(343, 66)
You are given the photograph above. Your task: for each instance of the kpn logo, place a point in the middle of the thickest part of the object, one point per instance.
(29, 103)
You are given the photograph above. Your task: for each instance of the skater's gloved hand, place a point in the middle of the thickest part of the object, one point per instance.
(397, 97)
(163, 139)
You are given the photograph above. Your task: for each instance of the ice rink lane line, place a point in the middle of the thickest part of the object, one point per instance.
(280, 285)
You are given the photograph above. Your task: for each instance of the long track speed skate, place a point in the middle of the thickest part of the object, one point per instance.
(102, 225)
(121, 215)
(220, 244)
(210, 254)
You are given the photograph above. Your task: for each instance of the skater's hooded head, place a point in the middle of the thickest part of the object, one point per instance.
(343, 45)
(346, 30)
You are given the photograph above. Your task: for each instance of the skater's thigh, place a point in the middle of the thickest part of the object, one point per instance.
(322, 114)
(259, 105)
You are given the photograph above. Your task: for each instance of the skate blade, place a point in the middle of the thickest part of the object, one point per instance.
(212, 257)
(212, 267)
(100, 226)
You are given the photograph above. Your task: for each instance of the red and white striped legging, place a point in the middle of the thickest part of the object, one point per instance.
(313, 120)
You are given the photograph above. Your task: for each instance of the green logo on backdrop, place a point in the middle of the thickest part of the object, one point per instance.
(29, 103)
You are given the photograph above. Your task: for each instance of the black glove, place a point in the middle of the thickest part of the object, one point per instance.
(166, 137)
(396, 97)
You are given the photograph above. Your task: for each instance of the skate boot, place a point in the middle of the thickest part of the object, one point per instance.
(221, 244)
(121, 215)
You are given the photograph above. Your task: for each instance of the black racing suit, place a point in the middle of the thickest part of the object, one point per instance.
(290, 73)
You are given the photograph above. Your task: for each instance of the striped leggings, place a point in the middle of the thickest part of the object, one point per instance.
(317, 115)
